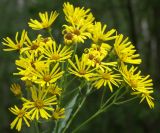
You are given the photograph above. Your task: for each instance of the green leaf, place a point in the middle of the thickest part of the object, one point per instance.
(69, 108)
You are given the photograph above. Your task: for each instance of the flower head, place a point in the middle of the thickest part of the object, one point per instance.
(80, 24)
(75, 34)
(45, 22)
(76, 15)
(145, 95)
(40, 104)
(141, 85)
(48, 75)
(100, 35)
(81, 69)
(27, 64)
(106, 77)
(126, 51)
(17, 45)
(16, 89)
(36, 45)
(57, 53)
(58, 113)
(54, 89)
(22, 115)
(96, 54)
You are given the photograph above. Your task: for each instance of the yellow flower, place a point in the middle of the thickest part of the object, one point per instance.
(17, 45)
(16, 89)
(126, 51)
(22, 115)
(141, 85)
(80, 24)
(145, 94)
(28, 60)
(68, 38)
(27, 64)
(103, 48)
(96, 54)
(58, 113)
(134, 78)
(54, 89)
(57, 53)
(40, 104)
(106, 77)
(36, 45)
(104, 65)
(100, 35)
(45, 22)
(74, 34)
(49, 75)
(92, 57)
(77, 15)
(81, 69)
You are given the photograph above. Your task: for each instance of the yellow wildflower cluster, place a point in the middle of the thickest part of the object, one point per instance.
(43, 63)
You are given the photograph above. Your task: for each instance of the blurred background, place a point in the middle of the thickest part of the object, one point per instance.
(138, 19)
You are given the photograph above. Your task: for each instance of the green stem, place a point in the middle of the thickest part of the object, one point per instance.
(102, 109)
(36, 127)
(79, 107)
(50, 33)
(74, 52)
(70, 92)
(109, 105)
(91, 118)
(79, 87)
(125, 101)
(73, 116)
(55, 127)
(121, 95)
(87, 121)
(75, 49)
(105, 107)
(71, 81)
(103, 93)
(110, 98)
(63, 77)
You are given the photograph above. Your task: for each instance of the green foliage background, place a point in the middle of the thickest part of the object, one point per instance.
(138, 19)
